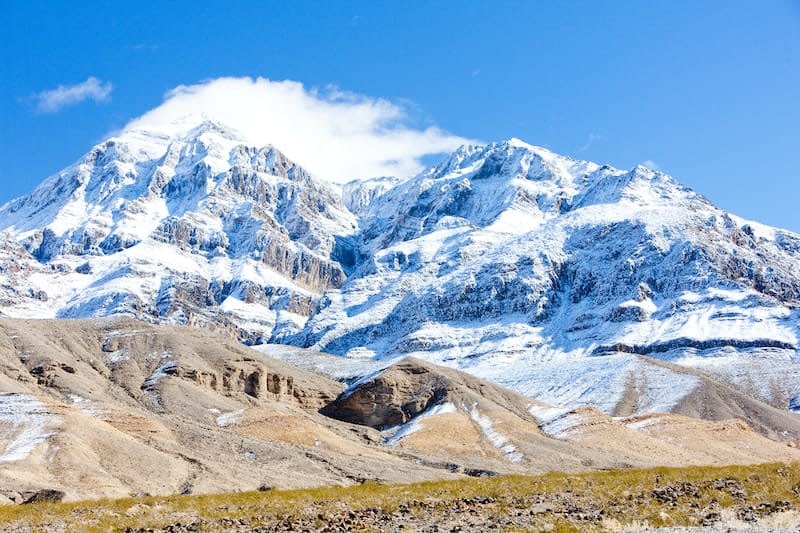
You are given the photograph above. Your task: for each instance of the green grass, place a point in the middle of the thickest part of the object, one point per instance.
(614, 497)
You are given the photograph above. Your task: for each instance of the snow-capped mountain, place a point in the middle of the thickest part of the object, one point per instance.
(552, 276)
(190, 225)
(565, 280)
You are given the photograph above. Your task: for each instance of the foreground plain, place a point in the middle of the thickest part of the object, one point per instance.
(726, 498)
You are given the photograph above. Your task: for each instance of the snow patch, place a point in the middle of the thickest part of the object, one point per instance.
(86, 406)
(641, 423)
(229, 419)
(564, 426)
(166, 368)
(545, 413)
(24, 424)
(398, 433)
(499, 441)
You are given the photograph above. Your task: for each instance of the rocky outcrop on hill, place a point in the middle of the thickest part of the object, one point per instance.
(411, 387)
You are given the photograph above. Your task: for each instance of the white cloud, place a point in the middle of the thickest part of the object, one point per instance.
(334, 134)
(593, 138)
(650, 164)
(66, 95)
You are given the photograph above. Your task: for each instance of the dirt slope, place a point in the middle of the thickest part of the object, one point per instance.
(118, 407)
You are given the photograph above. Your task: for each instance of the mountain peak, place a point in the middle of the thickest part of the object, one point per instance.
(209, 125)
(518, 143)
(186, 128)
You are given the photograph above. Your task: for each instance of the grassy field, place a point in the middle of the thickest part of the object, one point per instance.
(599, 501)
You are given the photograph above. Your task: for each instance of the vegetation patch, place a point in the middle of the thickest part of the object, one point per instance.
(596, 501)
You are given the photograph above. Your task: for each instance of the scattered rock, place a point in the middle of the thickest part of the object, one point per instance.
(711, 518)
(44, 495)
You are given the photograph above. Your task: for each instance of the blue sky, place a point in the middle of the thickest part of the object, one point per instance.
(707, 91)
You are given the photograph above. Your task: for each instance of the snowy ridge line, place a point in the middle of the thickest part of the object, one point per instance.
(676, 344)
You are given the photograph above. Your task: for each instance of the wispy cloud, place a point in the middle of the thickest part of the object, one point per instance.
(335, 134)
(63, 96)
(650, 164)
(593, 138)
(144, 47)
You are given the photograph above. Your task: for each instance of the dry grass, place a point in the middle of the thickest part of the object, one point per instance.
(611, 501)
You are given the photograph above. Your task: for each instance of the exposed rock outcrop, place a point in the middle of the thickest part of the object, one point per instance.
(409, 388)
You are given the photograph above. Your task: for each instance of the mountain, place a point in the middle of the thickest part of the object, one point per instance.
(573, 283)
(555, 277)
(117, 407)
(186, 226)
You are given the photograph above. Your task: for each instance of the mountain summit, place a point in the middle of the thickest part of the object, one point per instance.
(565, 280)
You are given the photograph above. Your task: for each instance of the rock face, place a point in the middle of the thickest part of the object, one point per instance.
(394, 398)
(411, 387)
(549, 275)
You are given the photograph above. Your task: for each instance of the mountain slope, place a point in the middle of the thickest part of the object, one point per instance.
(564, 280)
(117, 407)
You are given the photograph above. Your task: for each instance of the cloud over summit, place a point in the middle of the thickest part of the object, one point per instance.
(336, 135)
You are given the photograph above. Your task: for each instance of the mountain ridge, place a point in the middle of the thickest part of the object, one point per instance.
(536, 271)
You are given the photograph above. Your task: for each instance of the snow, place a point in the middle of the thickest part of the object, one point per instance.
(642, 423)
(86, 406)
(398, 433)
(646, 305)
(248, 315)
(116, 357)
(620, 230)
(546, 414)
(25, 423)
(229, 419)
(167, 367)
(499, 441)
(565, 426)
(118, 211)
(339, 368)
